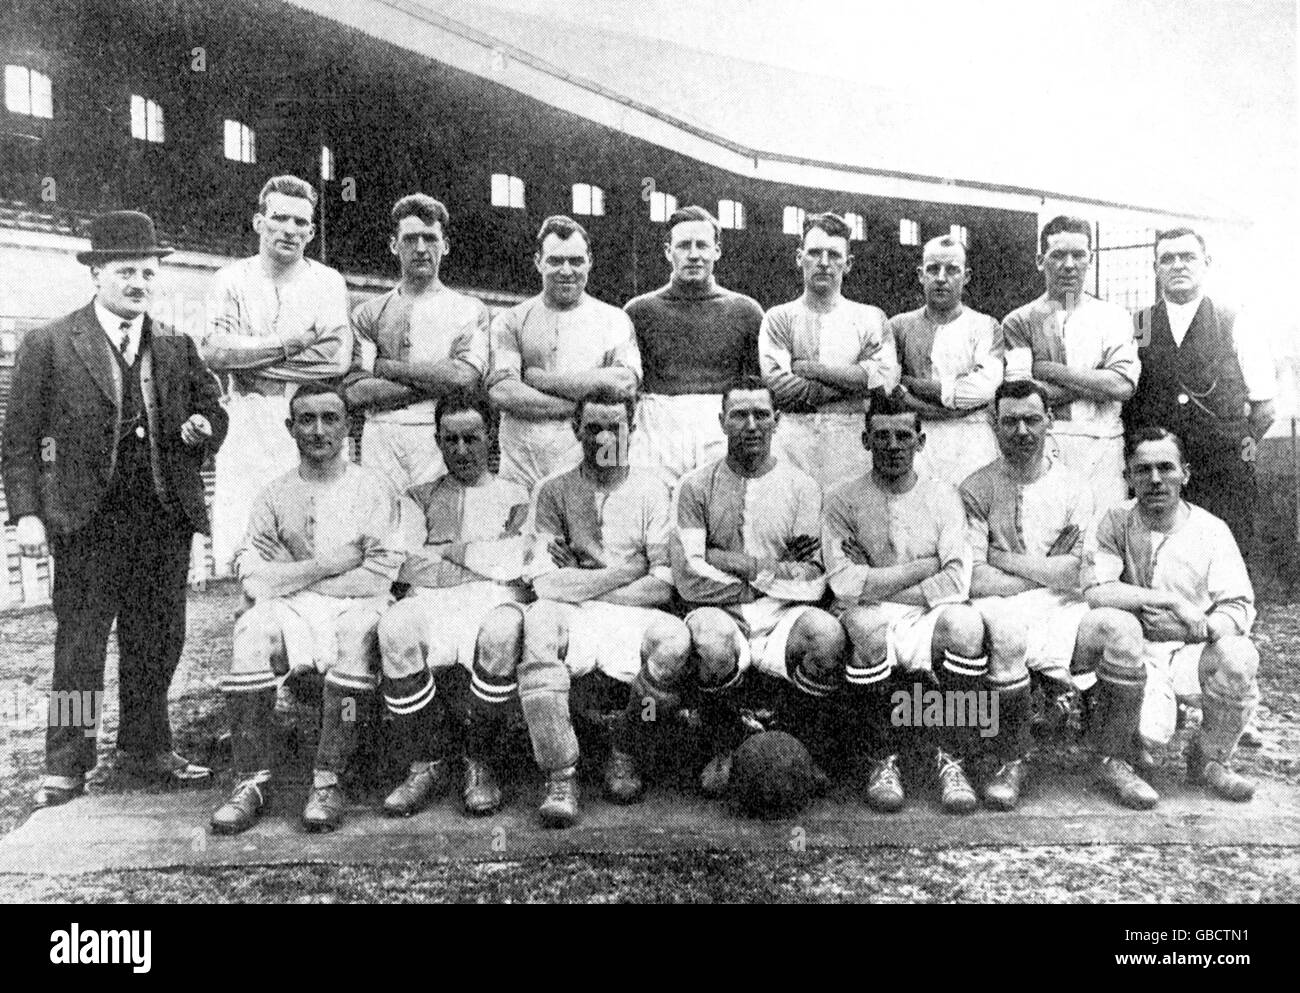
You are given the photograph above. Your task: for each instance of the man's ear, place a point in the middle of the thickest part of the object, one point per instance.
(1039, 259)
(848, 263)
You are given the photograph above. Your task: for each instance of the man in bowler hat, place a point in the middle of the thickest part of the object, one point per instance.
(110, 418)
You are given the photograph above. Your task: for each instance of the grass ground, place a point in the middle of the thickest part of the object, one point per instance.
(1093, 873)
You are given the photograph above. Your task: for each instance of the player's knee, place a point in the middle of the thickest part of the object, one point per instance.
(867, 633)
(400, 633)
(544, 636)
(500, 639)
(357, 633)
(666, 649)
(257, 640)
(1238, 660)
(714, 642)
(817, 640)
(1006, 640)
(960, 630)
(1115, 632)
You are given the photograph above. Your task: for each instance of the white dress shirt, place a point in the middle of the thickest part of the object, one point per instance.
(115, 326)
(1250, 342)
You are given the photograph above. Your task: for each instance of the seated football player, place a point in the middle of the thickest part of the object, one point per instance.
(601, 575)
(465, 569)
(746, 559)
(1029, 514)
(318, 562)
(899, 563)
(1176, 569)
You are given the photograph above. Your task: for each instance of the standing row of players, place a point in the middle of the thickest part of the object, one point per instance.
(750, 553)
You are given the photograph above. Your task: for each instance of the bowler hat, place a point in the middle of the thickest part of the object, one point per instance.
(121, 234)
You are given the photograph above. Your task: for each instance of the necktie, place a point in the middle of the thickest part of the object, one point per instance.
(124, 340)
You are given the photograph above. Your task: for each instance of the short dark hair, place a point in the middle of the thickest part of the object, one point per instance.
(1152, 432)
(686, 215)
(1064, 224)
(564, 227)
(606, 396)
(1171, 233)
(833, 224)
(460, 401)
(1019, 389)
(289, 186)
(746, 384)
(423, 206)
(315, 389)
(882, 404)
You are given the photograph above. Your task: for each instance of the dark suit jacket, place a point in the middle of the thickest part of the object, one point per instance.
(61, 430)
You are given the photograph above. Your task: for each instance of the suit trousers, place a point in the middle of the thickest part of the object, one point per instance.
(129, 564)
(1224, 483)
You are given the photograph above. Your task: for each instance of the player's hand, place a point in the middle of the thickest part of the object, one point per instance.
(1193, 620)
(802, 548)
(455, 552)
(31, 537)
(1065, 541)
(996, 557)
(196, 430)
(270, 549)
(342, 559)
(804, 368)
(854, 552)
(590, 558)
(562, 555)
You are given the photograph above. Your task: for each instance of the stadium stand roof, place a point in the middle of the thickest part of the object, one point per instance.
(753, 119)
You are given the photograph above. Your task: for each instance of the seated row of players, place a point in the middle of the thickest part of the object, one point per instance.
(922, 591)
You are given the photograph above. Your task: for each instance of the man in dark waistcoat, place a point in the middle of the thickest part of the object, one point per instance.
(1207, 375)
(109, 421)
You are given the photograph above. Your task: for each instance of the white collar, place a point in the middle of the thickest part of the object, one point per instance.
(1190, 307)
(112, 324)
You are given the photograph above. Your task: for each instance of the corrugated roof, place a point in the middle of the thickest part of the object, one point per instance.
(786, 113)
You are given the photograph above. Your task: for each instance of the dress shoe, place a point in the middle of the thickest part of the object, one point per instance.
(50, 795)
(171, 768)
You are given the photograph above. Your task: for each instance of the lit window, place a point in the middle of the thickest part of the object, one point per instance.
(326, 163)
(588, 200)
(28, 92)
(146, 119)
(731, 214)
(857, 226)
(662, 205)
(959, 232)
(909, 232)
(507, 191)
(240, 142)
(792, 222)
